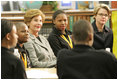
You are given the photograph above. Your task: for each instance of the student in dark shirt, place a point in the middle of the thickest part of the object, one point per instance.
(83, 61)
(60, 38)
(23, 36)
(11, 66)
(103, 36)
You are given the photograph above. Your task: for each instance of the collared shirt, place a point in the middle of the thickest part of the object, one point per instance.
(23, 51)
(102, 40)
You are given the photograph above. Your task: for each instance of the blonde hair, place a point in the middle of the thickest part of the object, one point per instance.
(98, 7)
(32, 13)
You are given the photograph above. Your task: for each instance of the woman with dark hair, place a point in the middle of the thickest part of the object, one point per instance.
(11, 66)
(59, 38)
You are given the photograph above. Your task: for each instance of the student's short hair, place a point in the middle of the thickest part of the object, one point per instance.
(98, 7)
(57, 13)
(81, 30)
(6, 27)
(33, 13)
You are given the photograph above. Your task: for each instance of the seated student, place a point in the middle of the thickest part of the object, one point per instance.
(83, 61)
(11, 66)
(60, 38)
(38, 47)
(23, 36)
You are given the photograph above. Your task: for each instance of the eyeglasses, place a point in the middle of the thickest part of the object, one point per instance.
(100, 14)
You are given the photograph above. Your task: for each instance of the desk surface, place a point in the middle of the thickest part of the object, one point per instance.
(41, 73)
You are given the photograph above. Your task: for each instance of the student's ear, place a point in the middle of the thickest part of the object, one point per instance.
(90, 36)
(8, 36)
(90, 39)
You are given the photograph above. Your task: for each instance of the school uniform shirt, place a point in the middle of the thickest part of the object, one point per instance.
(102, 40)
(57, 42)
(24, 54)
(11, 66)
(84, 62)
(40, 52)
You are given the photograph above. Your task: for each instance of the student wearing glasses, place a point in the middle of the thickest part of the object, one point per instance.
(103, 36)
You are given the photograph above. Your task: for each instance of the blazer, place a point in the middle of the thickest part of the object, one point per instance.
(40, 52)
(84, 62)
(11, 66)
(56, 42)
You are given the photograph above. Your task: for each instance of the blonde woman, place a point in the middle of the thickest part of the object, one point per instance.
(38, 47)
(103, 36)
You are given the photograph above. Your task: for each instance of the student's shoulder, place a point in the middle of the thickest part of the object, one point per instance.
(105, 54)
(63, 52)
(14, 59)
(52, 37)
(69, 32)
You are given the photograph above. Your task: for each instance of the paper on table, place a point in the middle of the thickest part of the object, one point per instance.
(40, 74)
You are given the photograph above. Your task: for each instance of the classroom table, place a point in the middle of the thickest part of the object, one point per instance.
(41, 73)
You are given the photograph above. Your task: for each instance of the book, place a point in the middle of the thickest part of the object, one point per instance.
(71, 22)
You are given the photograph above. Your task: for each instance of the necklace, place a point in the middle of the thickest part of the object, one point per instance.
(69, 42)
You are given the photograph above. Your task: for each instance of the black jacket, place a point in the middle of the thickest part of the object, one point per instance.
(84, 62)
(102, 40)
(11, 66)
(56, 42)
(23, 51)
